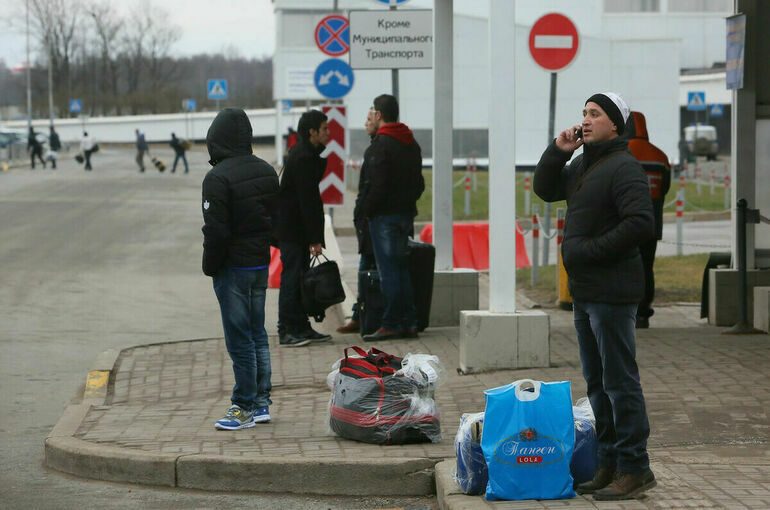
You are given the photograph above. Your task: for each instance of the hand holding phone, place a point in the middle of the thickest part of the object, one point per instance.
(570, 139)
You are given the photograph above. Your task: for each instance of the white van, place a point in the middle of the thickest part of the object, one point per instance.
(702, 140)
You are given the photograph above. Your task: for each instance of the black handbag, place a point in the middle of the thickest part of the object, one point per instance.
(321, 287)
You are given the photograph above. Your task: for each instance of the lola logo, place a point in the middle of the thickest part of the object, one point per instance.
(528, 448)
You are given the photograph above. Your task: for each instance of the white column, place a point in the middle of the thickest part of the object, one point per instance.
(442, 133)
(502, 168)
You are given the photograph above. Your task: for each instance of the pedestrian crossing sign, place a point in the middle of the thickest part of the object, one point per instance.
(217, 89)
(696, 101)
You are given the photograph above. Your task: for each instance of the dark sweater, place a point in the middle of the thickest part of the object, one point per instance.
(239, 196)
(609, 214)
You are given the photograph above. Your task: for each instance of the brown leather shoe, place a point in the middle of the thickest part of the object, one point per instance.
(602, 478)
(626, 486)
(382, 334)
(350, 327)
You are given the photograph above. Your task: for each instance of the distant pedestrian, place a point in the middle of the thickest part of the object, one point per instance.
(366, 253)
(141, 149)
(54, 144)
(609, 214)
(88, 146)
(179, 149)
(395, 182)
(300, 228)
(655, 164)
(239, 195)
(35, 148)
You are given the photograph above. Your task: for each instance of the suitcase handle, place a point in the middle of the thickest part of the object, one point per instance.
(358, 350)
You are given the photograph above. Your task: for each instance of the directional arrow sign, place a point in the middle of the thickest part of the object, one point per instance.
(332, 185)
(333, 78)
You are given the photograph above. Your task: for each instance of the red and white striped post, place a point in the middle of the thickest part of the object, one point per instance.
(468, 192)
(681, 184)
(727, 191)
(713, 179)
(526, 193)
(535, 243)
(698, 176)
(473, 173)
(679, 219)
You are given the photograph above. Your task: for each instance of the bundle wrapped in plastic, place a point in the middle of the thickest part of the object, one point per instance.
(471, 471)
(583, 463)
(380, 398)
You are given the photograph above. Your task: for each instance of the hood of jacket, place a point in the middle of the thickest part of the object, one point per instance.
(399, 131)
(636, 126)
(229, 135)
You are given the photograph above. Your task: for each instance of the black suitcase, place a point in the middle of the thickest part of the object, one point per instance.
(372, 301)
(422, 257)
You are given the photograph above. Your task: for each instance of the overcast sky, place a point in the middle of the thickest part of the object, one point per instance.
(207, 26)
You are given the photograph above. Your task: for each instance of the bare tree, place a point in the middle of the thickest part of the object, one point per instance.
(108, 26)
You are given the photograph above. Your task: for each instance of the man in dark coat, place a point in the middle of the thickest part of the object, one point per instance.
(35, 148)
(141, 149)
(239, 195)
(609, 214)
(658, 170)
(395, 182)
(54, 143)
(300, 228)
(366, 254)
(179, 150)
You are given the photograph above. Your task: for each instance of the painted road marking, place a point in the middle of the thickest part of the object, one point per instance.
(96, 383)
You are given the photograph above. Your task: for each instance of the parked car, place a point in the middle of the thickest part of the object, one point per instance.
(702, 140)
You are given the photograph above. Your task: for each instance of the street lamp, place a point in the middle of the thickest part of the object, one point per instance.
(29, 81)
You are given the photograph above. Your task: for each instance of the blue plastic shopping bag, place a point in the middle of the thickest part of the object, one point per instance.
(528, 440)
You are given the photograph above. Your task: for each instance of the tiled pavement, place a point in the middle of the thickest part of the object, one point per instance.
(708, 398)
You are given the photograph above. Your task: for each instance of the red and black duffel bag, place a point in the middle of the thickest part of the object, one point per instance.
(372, 403)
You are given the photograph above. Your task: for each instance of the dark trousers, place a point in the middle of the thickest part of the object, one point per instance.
(180, 155)
(365, 263)
(87, 155)
(390, 234)
(648, 260)
(607, 341)
(39, 155)
(295, 259)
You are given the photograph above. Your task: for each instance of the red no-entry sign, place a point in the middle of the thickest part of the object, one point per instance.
(553, 41)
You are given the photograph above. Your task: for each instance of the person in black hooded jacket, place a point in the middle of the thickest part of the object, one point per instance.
(239, 195)
(395, 182)
(300, 227)
(609, 214)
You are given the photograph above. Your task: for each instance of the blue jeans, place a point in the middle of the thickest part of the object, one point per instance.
(390, 234)
(180, 155)
(241, 295)
(607, 341)
(365, 263)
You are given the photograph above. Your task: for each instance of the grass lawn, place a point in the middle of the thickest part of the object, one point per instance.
(677, 279)
(480, 198)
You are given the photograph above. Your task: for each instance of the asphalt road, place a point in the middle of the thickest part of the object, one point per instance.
(91, 261)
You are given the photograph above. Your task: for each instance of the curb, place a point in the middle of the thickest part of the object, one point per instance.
(318, 476)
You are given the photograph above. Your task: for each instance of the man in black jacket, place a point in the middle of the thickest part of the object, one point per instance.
(179, 150)
(54, 144)
(300, 228)
(366, 254)
(609, 214)
(394, 167)
(239, 196)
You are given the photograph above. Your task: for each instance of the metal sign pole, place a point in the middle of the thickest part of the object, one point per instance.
(394, 72)
(547, 213)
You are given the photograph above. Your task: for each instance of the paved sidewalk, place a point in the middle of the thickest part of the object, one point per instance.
(708, 399)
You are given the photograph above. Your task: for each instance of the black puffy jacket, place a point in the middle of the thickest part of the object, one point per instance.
(239, 196)
(394, 168)
(609, 214)
(300, 209)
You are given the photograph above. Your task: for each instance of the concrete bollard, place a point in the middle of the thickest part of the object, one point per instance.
(679, 219)
(535, 244)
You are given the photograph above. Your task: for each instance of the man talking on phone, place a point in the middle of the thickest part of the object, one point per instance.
(609, 214)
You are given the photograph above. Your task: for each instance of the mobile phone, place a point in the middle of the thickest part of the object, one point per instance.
(579, 133)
